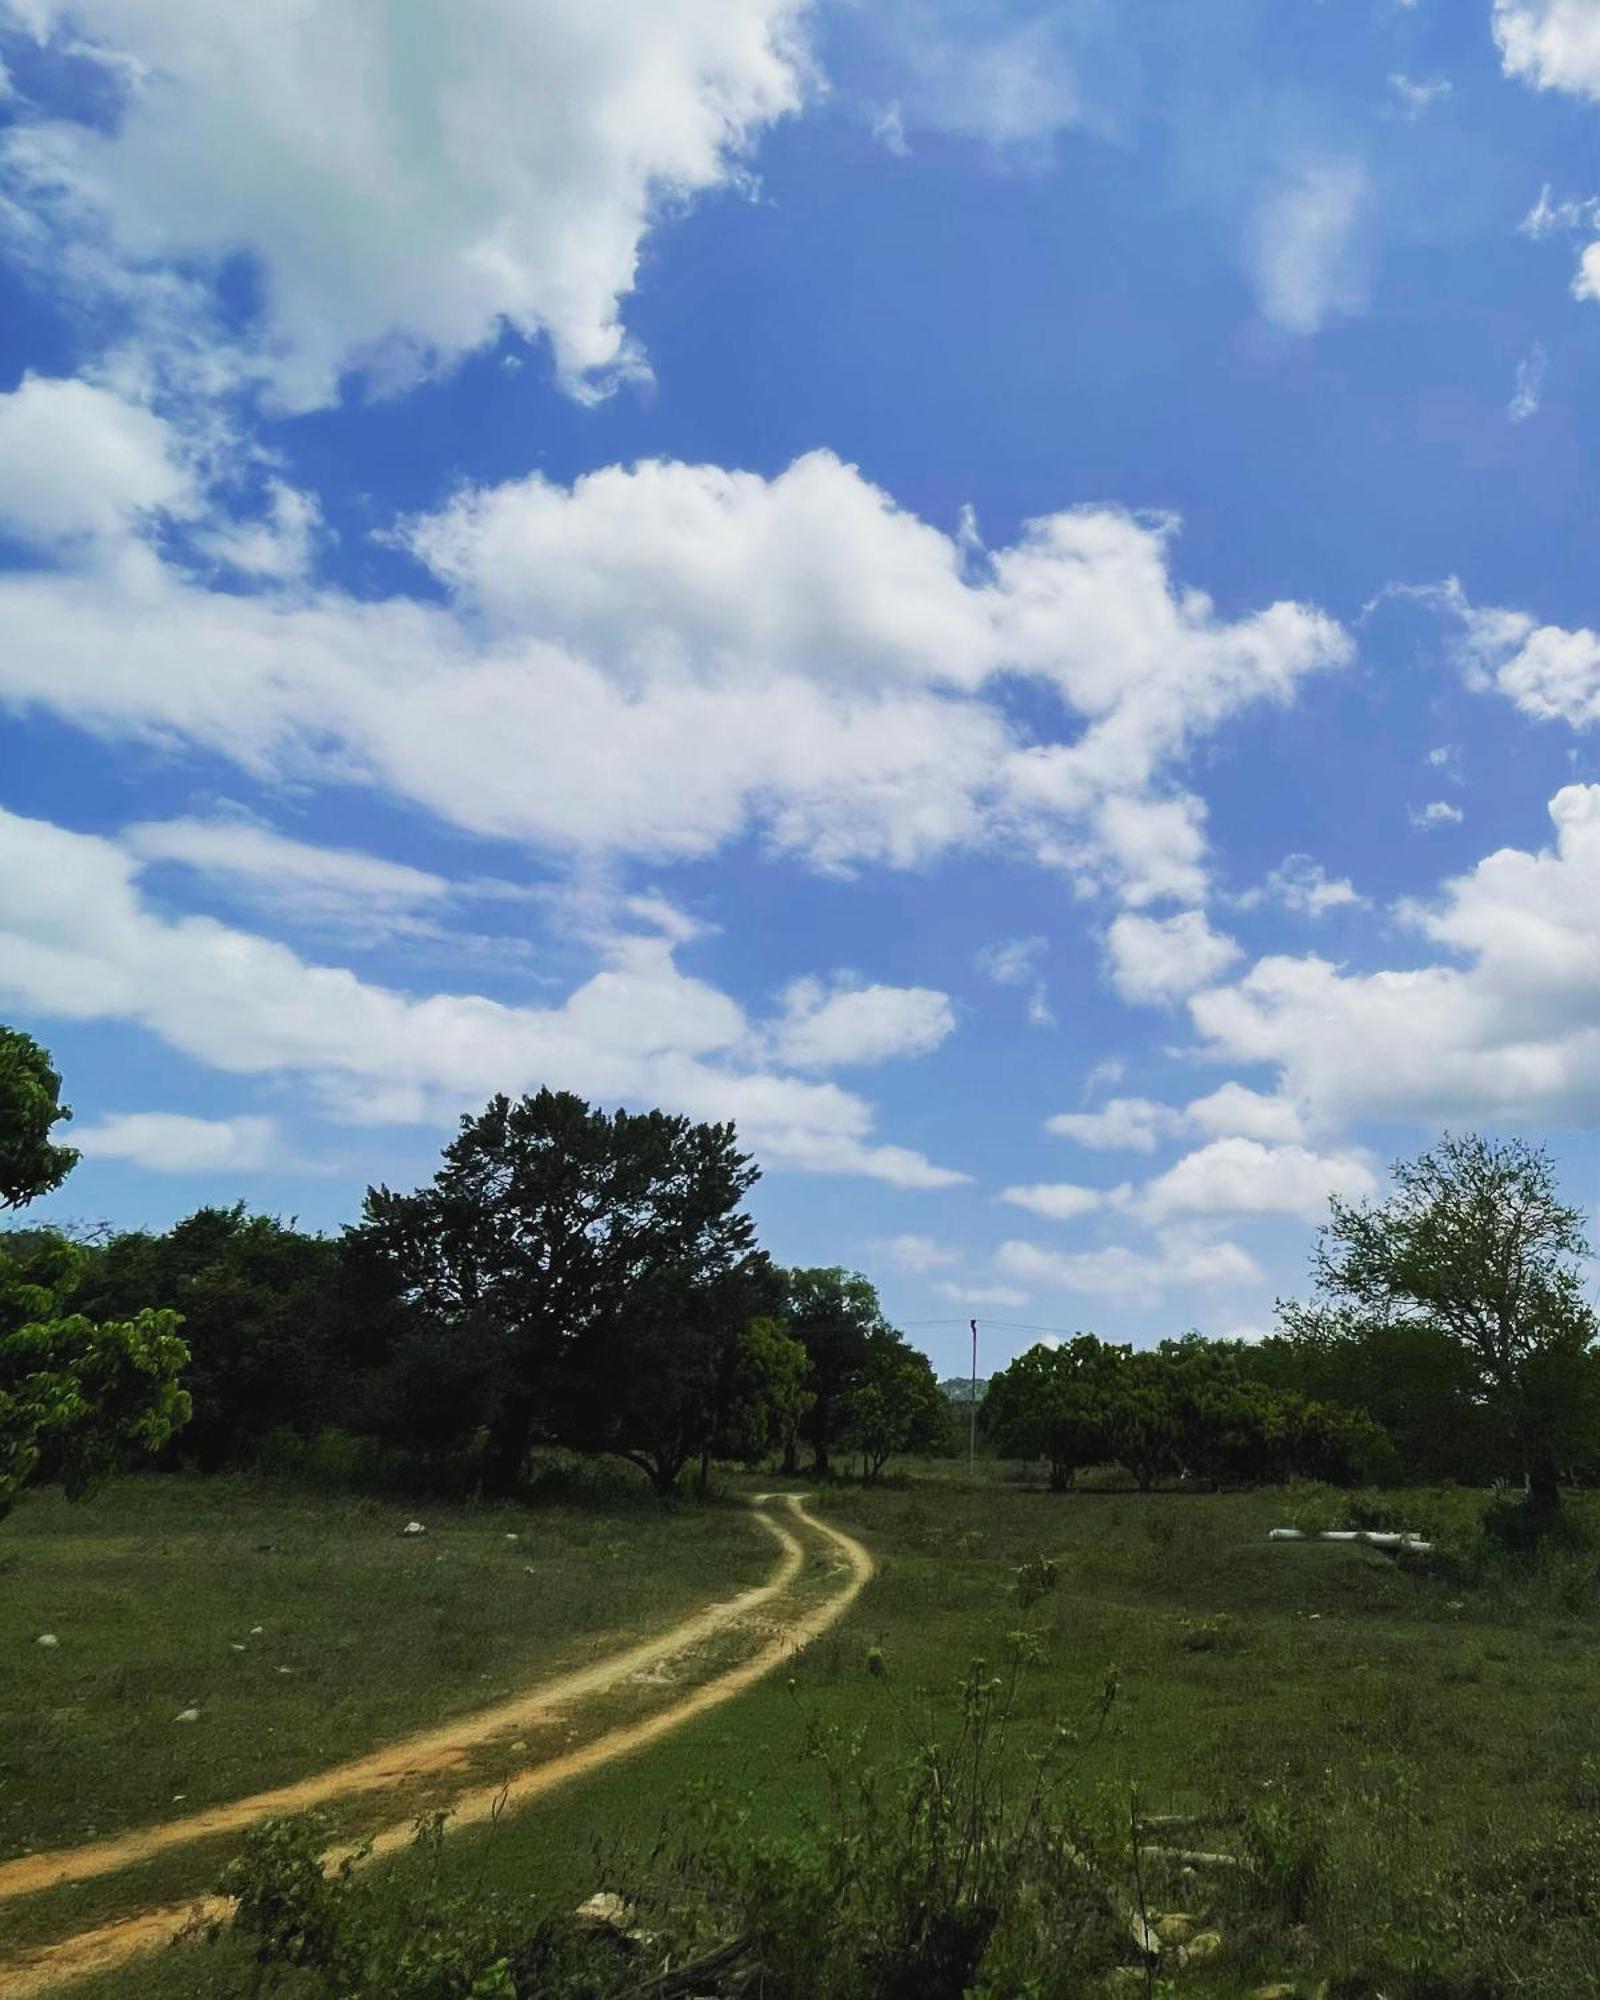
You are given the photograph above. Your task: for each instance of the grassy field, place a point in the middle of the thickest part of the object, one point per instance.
(304, 1627)
(1418, 1735)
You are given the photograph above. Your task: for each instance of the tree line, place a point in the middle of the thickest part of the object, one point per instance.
(590, 1279)
(570, 1277)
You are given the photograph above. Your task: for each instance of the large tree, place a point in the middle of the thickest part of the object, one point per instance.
(1056, 1403)
(1477, 1245)
(656, 1382)
(897, 1406)
(539, 1233)
(835, 1316)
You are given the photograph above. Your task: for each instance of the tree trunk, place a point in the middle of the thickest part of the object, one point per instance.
(509, 1437)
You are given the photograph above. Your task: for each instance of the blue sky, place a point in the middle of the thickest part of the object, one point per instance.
(1001, 594)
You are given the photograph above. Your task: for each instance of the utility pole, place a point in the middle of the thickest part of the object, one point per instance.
(972, 1407)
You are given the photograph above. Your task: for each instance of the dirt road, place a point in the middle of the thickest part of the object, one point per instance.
(47, 1968)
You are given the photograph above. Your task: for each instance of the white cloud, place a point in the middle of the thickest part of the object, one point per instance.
(980, 1295)
(1162, 959)
(1131, 1276)
(823, 1028)
(167, 1142)
(1436, 813)
(1303, 886)
(1551, 44)
(1239, 1176)
(322, 883)
(1233, 1111)
(1015, 962)
(410, 180)
(1009, 80)
(78, 942)
(660, 660)
(76, 460)
(1528, 388)
(1413, 96)
(1124, 1124)
(1307, 248)
(1062, 1201)
(915, 1253)
(1506, 1031)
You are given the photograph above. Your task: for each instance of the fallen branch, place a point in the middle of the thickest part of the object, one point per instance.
(691, 1978)
(1375, 1538)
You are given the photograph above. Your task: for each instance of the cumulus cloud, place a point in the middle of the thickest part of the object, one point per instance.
(1551, 44)
(1239, 1176)
(1157, 959)
(1307, 246)
(915, 1253)
(1551, 674)
(661, 660)
(1234, 1110)
(79, 942)
(1122, 1124)
(1504, 1030)
(823, 1028)
(408, 181)
(1304, 887)
(1177, 1262)
(77, 460)
(167, 1142)
(1436, 813)
(1062, 1201)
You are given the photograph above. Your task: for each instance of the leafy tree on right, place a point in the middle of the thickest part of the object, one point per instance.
(1476, 1245)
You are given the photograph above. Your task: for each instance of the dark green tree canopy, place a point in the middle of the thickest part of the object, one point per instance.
(31, 1162)
(542, 1230)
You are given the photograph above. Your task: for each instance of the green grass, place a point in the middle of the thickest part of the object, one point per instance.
(1414, 1725)
(155, 1587)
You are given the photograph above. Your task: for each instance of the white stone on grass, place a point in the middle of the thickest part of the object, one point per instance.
(187, 1715)
(413, 1528)
(48, 1640)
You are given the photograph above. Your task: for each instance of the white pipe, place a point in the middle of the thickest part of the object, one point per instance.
(1374, 1538)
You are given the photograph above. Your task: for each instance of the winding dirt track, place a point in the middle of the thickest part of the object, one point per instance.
(47, 1968)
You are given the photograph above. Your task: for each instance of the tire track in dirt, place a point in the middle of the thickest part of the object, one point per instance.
(47, 1968)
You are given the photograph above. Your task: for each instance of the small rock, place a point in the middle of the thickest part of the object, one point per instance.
(179, 1797)
(1175, 1927)
(236, 1645)
(413, 1528)
(256, 1631)
(1207, 1944)
(513, 1538)
(187, 1715)
(48, 1640)
(286, 1670)
(606, 1911)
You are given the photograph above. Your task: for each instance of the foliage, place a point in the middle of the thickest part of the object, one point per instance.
(1056, 1403)
(455, 1944)
(1476, 1244)
(896, 1406)
(77, 1396)
(549, 1223)
(31, 1162)
(265, 1319)
(835, 1316)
